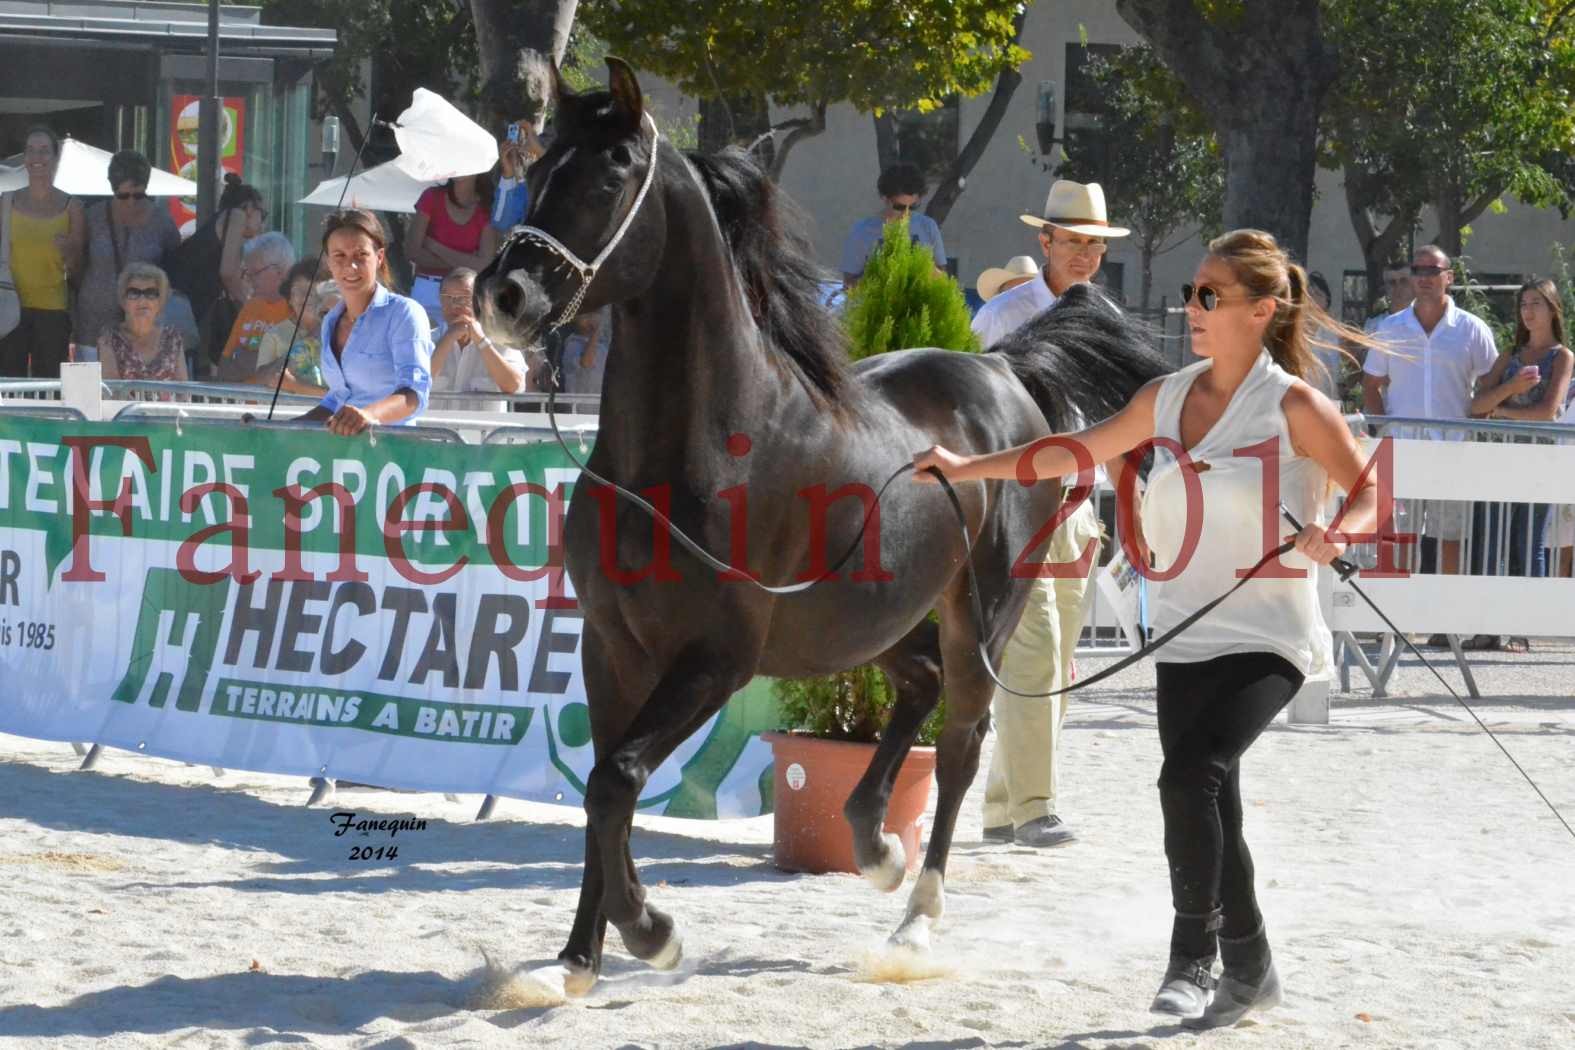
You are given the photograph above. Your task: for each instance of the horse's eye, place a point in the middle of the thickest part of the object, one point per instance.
(621, 155)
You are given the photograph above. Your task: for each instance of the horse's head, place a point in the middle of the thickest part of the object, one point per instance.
(586, 240)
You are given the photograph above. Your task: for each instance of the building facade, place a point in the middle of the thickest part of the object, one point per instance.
(127, 74)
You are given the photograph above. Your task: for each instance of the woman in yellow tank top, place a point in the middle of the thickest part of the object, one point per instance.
(46, 229)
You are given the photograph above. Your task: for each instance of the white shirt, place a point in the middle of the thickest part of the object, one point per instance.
(1436, 378)
(1280, 616)
(1010, 310)
(464, 371)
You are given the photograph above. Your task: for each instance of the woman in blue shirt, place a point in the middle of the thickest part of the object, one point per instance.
(377, 345)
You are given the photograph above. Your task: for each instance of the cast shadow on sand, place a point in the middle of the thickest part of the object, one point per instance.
(499, 854)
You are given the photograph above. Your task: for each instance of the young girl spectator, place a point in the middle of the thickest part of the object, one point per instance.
(47, 229)
(450, 230)
(297, 349)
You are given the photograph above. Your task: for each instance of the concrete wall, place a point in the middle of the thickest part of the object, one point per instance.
(832, 176)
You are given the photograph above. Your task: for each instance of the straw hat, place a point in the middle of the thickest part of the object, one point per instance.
(1077, 208)
(991, 280)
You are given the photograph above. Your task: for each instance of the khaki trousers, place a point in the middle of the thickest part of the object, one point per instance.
(1021, 785)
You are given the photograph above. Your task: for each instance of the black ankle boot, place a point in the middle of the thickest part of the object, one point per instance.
(1184, 991)
(1249, 982)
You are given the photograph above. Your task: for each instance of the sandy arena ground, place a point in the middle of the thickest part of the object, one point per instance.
(1417, 893)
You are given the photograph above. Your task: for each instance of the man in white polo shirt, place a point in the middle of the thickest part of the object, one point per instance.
(1020, 790)
(1440, 351)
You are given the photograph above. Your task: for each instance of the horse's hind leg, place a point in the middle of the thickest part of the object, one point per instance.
(968, 693)
(914, 667)
(693, 688)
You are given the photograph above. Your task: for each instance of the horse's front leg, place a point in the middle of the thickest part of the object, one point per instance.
(914, 667)
(694, 688)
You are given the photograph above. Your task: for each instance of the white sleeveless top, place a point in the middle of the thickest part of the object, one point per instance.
(1267, 615)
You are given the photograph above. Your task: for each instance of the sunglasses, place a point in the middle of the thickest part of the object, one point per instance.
(1428, 271)
(131, 195)
(458, 300)
(151, 294)
(904, 208)
(1207, 297)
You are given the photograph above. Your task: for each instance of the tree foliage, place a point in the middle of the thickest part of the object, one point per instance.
(873, 54)
(1159, 161)
(1449, 104)
(901, 301)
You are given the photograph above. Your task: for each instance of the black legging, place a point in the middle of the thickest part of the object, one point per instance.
(1209, 714)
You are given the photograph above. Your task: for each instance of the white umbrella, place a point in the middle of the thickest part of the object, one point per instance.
(386, 187)
(438, 142)
(84, 172)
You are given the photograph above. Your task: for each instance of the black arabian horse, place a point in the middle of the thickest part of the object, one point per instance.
(729, 402)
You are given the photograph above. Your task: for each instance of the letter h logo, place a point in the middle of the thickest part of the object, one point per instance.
(178, 627)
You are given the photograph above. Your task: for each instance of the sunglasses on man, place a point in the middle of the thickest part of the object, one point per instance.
(1428, 271)
(1207, 297)
(131, 195)
(150, 294)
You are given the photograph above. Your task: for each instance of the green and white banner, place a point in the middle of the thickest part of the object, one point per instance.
(390, 612)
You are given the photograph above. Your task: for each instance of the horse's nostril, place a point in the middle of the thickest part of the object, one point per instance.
(508, 298)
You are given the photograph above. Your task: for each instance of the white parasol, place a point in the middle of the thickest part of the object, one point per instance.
(84, 172)
(386, 187)
(436, 142)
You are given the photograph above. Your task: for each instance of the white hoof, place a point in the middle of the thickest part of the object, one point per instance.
(552, 985)
(670, 956)
(887, 876)
(913, 935)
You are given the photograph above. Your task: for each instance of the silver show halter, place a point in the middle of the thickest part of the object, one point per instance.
(586, 271)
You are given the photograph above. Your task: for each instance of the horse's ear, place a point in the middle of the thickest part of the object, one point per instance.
(625, 88)
(560, 87)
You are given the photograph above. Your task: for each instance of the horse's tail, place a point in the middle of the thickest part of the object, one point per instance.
(1083, 355)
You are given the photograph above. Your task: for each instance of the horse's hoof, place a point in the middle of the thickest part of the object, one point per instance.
(670, 956)
(578, 981)
(913, 935)
(887, 873)
(654, 940)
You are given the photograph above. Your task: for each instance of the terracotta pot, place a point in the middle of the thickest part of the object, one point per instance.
(814, 778)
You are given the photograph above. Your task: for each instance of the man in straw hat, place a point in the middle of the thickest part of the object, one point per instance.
(998, 279)
(1020, 791)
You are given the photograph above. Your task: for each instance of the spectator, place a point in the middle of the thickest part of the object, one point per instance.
(585, 352)
(130, 227)
(1020, 269)
(519, 151)
(1398, 294)
(1072, 236)
(294, 345)
(377, 345)
(1020, 793)
(268, 259)
(1325, 347)
(46, 228)
(465, 360)
(450, 229)
(139, 347)
(1531, 384)
(209, 265)
(1441, 351)
(900, 186)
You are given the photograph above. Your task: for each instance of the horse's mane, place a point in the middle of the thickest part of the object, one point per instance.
(1083, 355)
(777, 267)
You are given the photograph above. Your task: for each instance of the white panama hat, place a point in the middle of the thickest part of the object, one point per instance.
(1077, 208)
(991, 280)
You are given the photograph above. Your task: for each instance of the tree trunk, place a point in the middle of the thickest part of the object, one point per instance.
(952, 183)
(1146, 263)
(1260, 71)
(1449, 223)
(515, 39)
(886, 151)
(733, 120)
(1378, 246)
(801, 129)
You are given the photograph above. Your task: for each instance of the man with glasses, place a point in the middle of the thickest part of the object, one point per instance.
(265, 262)
(1440, 352)
(464, 360)
(1020, 790)
(900, 186)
